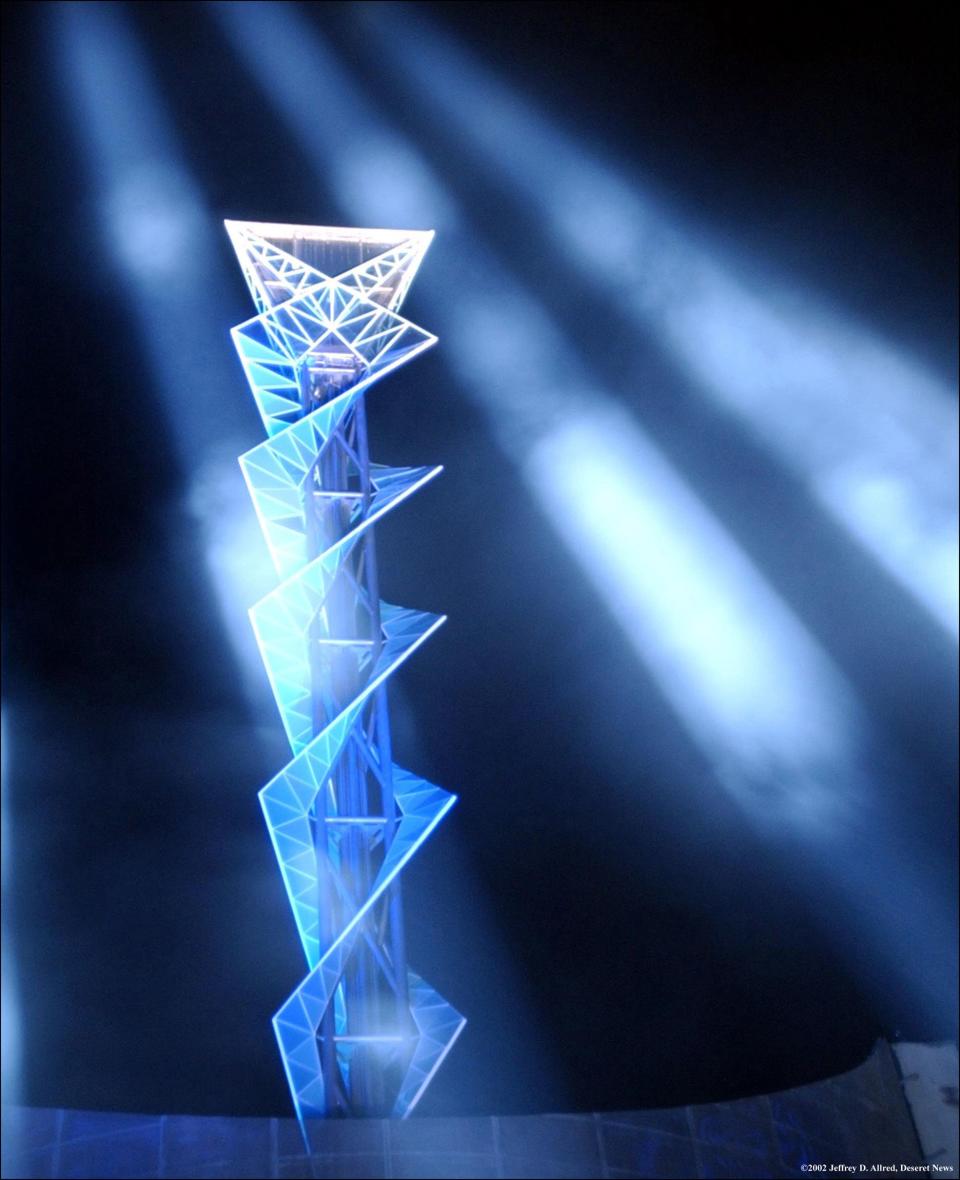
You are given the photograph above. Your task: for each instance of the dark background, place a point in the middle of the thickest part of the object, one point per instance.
(616, 932)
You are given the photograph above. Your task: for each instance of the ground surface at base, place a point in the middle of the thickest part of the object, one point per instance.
(857, 1118)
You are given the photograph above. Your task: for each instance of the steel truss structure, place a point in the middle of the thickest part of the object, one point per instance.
(361, 1034)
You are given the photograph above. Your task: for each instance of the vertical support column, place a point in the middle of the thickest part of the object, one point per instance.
(360, 1034)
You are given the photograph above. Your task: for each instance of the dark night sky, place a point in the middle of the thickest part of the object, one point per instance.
(658, 951)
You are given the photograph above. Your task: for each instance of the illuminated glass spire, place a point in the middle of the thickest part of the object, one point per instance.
(361, 1034)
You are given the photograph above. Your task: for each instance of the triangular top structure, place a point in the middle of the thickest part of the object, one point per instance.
(281, 261)
(361, 1034)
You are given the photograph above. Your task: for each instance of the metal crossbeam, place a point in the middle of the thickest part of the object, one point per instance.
(361, 1034)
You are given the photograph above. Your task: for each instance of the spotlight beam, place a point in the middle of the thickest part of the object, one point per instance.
(537, 394)
(158, 234)
(872, 434)
(796, 724)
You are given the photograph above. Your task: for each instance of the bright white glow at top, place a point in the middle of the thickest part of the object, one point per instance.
(326, 233)
(873, 434)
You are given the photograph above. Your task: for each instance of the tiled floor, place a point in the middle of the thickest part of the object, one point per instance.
(858, 1118)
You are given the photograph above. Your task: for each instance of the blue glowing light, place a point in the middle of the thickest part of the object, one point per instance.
(772, 712)
(361, 1034)
(742, 672)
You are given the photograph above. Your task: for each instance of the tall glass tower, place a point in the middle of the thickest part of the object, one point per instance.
(361, 1034)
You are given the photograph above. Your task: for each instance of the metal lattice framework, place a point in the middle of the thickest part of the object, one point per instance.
(361, 1034)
